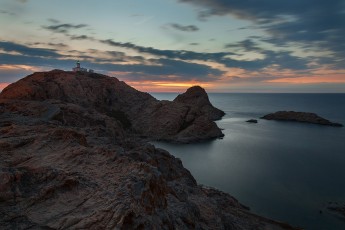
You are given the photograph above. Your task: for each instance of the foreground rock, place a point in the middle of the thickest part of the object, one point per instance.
(299, 117)
(69, 165)
(188, 118)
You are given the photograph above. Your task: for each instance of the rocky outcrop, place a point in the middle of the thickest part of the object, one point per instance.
(299, 117)
(189, 118)
(67, 163)
(198, 99)
(252, 121)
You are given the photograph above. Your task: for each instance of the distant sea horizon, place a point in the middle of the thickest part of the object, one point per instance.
(287, 171)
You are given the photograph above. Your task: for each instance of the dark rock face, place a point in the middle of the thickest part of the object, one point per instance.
(69, 165)
(299, 117)
(189, 118)
(252, 121)
(198, 98)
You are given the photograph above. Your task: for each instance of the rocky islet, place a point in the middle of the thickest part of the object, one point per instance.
(300, 117)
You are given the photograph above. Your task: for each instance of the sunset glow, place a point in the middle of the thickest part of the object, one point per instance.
(148, 86)
(173, 45)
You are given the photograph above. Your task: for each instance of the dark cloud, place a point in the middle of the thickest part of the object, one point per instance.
(81, 37)
(28, 51)
(57, 45)
(189, 28)
(266, 11)
(159, 68)
(64, 28)
(276, 59)
(280, 59)
(194, 44)
(6, 12)
(245, 45)
(317, 24)
(167, 62)
(122, 57)
(10, 59)
(162, 69)
(173, 54)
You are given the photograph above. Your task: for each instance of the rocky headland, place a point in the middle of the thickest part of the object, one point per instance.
(74, 155)
(300, 117)
(139, 113)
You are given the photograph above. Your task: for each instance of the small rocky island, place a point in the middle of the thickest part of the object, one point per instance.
(338, 209)
(300, 117)
(74, 155)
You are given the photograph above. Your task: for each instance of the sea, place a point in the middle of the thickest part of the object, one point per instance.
(287, 171)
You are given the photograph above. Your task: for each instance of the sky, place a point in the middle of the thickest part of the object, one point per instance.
(295, 46)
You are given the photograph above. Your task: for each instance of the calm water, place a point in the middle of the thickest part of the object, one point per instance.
(283, 170)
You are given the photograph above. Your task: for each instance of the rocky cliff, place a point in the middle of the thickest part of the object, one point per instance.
(138, 112)
(71, 157)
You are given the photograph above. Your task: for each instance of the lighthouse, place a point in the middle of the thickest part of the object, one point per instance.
(78, 68)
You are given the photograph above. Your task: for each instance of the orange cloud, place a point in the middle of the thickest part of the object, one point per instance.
(321, 76)
(19, 67)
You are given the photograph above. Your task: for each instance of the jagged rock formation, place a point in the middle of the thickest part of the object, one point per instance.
(197, 97)
(300, 117)
(69, 161)
(142, 114)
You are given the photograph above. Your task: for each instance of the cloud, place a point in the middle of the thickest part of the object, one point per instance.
(280, 59)
(57, 45)
(64, 28)
(158, 69)
(7, 12)
(314, 24)
(246, 45)
(81, 37)
(162, 70)
(28, 51)
(173, 54)
(189, 28)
